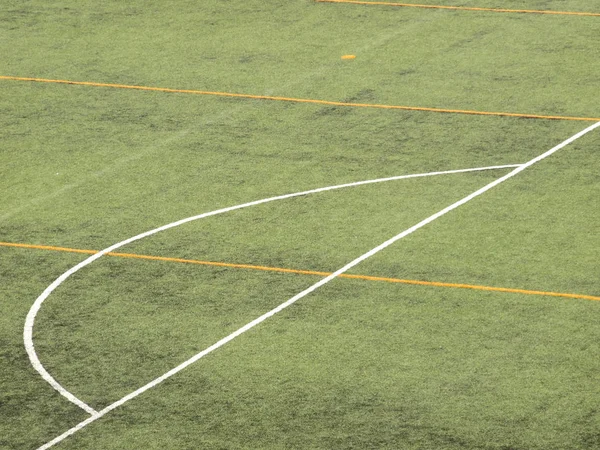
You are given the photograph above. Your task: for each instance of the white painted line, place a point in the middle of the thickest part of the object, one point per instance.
(30, 319)
(315, 286)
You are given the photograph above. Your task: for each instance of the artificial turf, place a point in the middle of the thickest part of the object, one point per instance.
(357, 364)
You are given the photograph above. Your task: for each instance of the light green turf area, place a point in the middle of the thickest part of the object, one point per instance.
(521, 63)
(357, 364)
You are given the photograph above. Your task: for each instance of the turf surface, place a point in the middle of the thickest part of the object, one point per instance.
(357, 364)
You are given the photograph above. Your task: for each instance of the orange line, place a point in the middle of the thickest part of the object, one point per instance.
(218, 264)
(464, 8)
(48, 247)
(306, 272)
(301, 100)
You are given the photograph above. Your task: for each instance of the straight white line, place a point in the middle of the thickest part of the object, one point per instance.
(30, 319)
(315, 286)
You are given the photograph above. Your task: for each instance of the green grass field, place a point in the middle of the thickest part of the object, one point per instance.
(358, 363)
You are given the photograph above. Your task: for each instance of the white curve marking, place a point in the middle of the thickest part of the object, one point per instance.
(30, 320)
(315, 286)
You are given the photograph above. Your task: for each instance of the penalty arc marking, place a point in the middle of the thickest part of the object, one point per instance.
(312, 288)
(30, 319)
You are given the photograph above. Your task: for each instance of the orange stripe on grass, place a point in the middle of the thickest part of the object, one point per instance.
(471, 286)
(219, 264)
(48, 247)
(465, 8)
(306, 272)
(302, 100)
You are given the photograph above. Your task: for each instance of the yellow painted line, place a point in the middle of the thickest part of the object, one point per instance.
(473, 286)
(48, 247)
(301, 100)
(466, 8)
(305, 272)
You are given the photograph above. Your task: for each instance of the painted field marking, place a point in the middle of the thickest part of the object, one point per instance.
(295, 298)
(302, 100)
(304, 272)
(30, 319)
(464, 8)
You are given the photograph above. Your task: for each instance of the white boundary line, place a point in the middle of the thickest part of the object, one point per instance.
(30, 319)
(312, 288)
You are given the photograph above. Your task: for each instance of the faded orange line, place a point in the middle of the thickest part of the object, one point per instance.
(472, 286)
(219, 264)
(306, 272)
(302, 100)
(465, 8)
(48, 247)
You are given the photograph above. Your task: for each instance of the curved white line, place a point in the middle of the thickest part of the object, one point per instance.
(519, 168)
(30, 319)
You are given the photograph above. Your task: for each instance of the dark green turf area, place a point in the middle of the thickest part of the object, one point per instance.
(400, 369)
(357, 364)
(30, 410)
